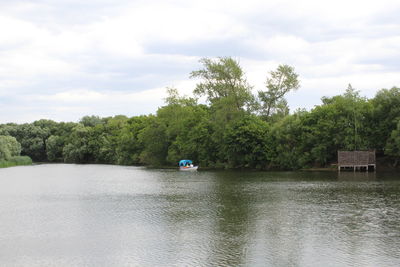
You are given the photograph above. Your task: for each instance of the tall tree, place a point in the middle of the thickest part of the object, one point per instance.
(223, 79)
(280, 82)
(223, 82)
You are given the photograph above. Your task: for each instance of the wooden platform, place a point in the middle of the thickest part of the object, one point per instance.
(357, 160)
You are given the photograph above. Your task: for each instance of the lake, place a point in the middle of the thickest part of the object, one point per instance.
(102, 215)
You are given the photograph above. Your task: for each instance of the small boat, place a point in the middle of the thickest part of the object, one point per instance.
(187, 165)
(193, 168)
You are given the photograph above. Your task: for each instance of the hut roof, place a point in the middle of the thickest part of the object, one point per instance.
(356, 157)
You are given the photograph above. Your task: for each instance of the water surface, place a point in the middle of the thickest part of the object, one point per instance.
(100, 215)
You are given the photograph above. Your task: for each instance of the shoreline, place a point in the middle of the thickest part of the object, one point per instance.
(169, 167)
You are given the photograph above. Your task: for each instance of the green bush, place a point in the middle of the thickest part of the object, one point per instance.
(16, 161)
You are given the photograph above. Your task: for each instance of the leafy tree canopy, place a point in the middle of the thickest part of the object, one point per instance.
(223, 78)
(278, 84)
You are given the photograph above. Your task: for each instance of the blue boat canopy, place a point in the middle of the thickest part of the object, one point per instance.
(185, 162)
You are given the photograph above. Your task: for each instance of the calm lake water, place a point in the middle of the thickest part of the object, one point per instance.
(100, 215)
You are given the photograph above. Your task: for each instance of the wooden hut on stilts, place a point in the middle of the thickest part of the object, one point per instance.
(357, 160)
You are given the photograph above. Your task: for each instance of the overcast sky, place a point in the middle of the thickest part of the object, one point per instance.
(63, 59)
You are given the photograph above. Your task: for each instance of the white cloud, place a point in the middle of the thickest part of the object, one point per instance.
(66, 59)
(91, 96)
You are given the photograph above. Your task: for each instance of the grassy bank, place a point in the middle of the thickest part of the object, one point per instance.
(16, 161)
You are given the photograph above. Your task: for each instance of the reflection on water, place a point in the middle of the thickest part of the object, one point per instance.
(357, 176)
(95, 215)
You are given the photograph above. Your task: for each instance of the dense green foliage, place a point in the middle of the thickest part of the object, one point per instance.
(234, 130)
(10, 150)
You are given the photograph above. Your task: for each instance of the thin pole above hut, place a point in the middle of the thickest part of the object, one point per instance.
(356, 160)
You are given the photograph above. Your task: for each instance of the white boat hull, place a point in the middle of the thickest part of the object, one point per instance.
(194, 168)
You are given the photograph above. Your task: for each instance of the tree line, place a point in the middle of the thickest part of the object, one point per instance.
(235, 129)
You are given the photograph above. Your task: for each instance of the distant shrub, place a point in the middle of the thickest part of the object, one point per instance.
(16, 161)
